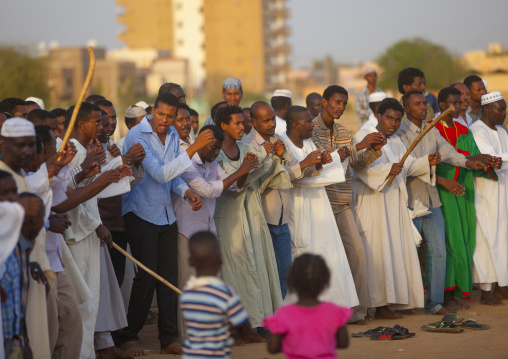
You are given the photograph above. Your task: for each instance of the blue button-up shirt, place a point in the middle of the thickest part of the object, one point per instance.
(151, 198)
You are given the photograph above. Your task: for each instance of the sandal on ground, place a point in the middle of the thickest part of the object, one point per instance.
(440, 327)
(471, 324)
(403, 331)
(387, 334)
(451, 318)
(367, 333)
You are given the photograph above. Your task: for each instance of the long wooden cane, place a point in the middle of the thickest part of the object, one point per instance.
(152, 273)
(420, 136)
(88, 79)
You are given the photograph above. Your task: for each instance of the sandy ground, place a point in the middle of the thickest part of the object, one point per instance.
(490, 343)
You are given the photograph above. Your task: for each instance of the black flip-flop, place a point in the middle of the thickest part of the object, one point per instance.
(471, 324)
(367, 333)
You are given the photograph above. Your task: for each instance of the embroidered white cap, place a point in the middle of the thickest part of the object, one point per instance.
(491, 97)
(18, 127)
(38, 101)
(281, 93)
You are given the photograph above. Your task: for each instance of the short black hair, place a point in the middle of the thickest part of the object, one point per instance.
(468, 81)
(39, 117)
(84, 114)
(193, 112)
(103, 102)
(217, 131)
(8, 105)
(224, 114)
(310, 96)
(168, 86)
(5, 174)
(308, 276)
(57, 112)
(390, 104)
(279, 102)
(94, 98)
(407, 96)
(213, 111)
(407, 77)
(148, 110)
(447, 91)
(294, 115)
(103, 112)
(38, 144)
(184, 106)
(43, 131)
(333, 89)
(166, 98)
(129, 120)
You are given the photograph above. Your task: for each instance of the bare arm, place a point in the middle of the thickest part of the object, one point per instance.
(274, 343)
(342, 337)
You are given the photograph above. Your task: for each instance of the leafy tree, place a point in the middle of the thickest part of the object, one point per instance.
(21, 74)
(441, 69)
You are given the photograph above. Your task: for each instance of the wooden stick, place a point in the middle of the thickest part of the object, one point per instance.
(420, 136)
(70, 128)
(152, 273)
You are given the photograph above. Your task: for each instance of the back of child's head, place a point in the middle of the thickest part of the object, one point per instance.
(308, 276)
(204, 252)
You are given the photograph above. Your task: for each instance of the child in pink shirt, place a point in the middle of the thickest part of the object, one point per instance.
(309, 328)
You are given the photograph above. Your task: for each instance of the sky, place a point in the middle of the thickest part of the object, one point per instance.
(350, 32)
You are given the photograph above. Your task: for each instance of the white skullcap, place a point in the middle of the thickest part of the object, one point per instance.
(377, 96)
(485, 84)
(368, 70)
(142, 104)
(231, 83)
(135, 112)
(37, 100)
(281, 93)
(18, 127)
(489, 98)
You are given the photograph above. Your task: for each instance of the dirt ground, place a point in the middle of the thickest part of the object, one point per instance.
(490, 343)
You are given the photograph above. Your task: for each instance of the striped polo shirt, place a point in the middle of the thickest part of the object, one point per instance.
(208, 311)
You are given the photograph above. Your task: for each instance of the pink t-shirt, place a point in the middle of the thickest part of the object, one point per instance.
(308, 332)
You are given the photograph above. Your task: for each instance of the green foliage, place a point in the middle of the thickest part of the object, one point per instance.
(441, 69)
(22, 75)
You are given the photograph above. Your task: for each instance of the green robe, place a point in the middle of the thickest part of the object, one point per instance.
(460, 219)
(249, 263)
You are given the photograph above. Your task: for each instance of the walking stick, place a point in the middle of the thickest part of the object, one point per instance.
(88, 79)
(152, 273)
(420, 136)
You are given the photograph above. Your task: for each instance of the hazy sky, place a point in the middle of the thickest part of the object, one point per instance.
(350, 31)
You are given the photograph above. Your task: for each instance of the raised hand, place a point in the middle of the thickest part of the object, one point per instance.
(396, 169)
(434, 159)
(476, 165)
(203, 139)
(326, 157)
(269, 147)
(376, 140)
(279, 148)
(314, 158)
(137, 153)
(114, 150)
(344, 153)
(125, 170)
(111, 176)
(248, 164)
(58, 223)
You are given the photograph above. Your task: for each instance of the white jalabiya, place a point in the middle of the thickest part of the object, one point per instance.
(367, 127)
(387, 230)
(313, 227)
(84, 246)
(491, 204)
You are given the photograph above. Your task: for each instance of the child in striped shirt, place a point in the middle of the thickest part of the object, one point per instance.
(211, 308)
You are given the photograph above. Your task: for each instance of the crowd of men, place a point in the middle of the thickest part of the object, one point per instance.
(272, 181)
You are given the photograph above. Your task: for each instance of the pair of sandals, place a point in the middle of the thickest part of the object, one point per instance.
(385, 333)
(451, 323)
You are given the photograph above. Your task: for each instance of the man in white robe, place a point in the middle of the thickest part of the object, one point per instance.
(384, 220)
(375, 99)
(491, 202)
(88, 231)
(311, 220)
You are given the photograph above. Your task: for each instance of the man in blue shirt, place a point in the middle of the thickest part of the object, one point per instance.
(150, 222)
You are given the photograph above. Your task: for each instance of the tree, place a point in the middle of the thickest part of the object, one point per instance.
(22, 75)
(441, 69)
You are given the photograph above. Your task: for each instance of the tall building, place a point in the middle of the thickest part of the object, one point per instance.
(218, 38)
